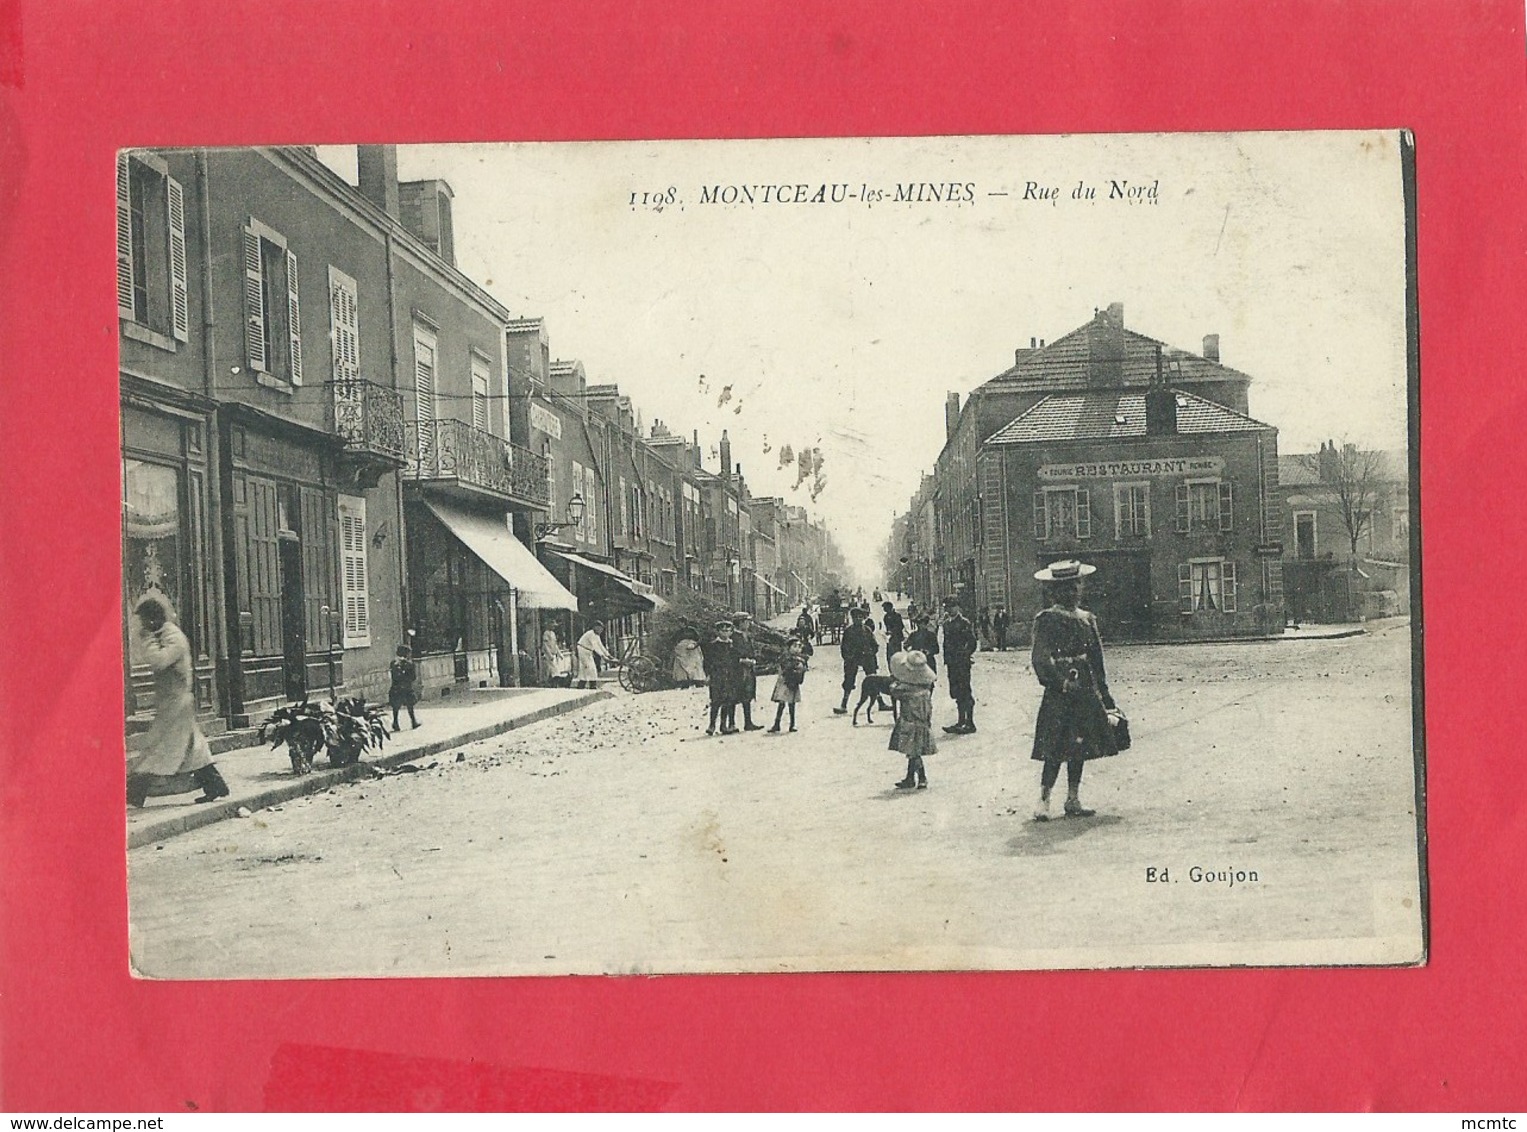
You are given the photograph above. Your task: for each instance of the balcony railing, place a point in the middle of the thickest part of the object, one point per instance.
(453, 454)
(368, 418)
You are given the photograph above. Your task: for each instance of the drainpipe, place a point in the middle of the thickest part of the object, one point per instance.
(394, 360)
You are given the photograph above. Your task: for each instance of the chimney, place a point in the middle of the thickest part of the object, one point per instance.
(1106, 347)
(425, 209)
(1211, 347)
(695, 448)
(951, 414)
(376, 168)
(726, 454)
(1160, 404)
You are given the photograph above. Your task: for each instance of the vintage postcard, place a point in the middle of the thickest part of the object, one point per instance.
(948, 553)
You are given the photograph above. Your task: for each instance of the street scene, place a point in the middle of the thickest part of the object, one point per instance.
(830, 554)
(621, 840)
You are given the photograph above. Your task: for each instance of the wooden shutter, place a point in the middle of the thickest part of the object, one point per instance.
(263, 567)
(1227, 587)
(1185, 588)
(1226, 498)
(125, 306)
(293, 317)
(352, 550)
(180, 314)
(1184, 508)
(254, 302)
(1039, 515)
(1083, 513)
(344, 325)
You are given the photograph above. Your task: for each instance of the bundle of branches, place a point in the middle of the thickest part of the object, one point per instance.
(692, 615)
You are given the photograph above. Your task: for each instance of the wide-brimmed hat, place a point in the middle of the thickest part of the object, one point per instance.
(742, 615)
(911, 667)
(1066, 570)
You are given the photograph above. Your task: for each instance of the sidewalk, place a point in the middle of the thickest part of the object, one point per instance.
(258, 776)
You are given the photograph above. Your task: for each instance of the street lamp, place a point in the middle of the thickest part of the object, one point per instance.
(574, 518)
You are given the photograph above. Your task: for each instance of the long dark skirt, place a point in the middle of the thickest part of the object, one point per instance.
(1072, 725)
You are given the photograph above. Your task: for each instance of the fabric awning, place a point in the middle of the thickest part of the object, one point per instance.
(770, 584)
(509, 558)
(618, 594)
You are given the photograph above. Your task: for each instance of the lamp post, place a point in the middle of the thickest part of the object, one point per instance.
(575, 507)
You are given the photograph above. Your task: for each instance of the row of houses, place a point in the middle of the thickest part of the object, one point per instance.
(334, 442)
(1143, 460)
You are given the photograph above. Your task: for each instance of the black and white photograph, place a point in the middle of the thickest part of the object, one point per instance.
(778, 555)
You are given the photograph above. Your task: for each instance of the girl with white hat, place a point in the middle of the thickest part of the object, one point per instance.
(1073, 724)
(912, 685)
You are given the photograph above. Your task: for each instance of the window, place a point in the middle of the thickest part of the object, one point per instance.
(1400, 522)
(1062, 512)
(425, 360)
(354, 585)
(1304, 534)
(479, 392)
(151, 248)
(272, 321)
(344, 326)
(1204, 505)
(1131, 510)
(625, 511)
(1206, 585)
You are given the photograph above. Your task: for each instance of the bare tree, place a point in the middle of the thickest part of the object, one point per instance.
(1352, 476)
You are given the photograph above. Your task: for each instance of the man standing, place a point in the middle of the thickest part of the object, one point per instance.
(924, 639)
(858, 649)
(999, 623)
(747, 656)
(895, 631)
(959, 654)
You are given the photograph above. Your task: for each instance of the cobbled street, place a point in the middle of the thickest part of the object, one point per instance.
(620, 839)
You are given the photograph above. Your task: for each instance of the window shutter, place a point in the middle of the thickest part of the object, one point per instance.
(1121, 505)
(1083, 513)
(344, 320)
(1039, 515)
(1225, 511)
(125, 308)
(254, 302)
(1227, 587)
(1183, 507)
(352, 541)
(294, 320)
(1185, 588)
(180, 314)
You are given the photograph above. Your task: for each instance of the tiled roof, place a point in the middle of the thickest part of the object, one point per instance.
(1115, 415)
(1064, 363)
(1297, 469)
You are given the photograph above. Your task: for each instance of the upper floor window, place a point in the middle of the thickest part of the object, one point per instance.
(1131, 510)
(272, 319)
(151, 248)
(479, 392)
(1204, 505)
(1062, 512)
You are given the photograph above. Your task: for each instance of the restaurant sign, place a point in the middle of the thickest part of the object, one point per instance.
(1127, 469)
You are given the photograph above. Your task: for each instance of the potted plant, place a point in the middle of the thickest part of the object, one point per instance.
(343, 729)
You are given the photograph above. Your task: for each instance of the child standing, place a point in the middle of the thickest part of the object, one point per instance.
(402, 693)
(912, 685)
(787, 685)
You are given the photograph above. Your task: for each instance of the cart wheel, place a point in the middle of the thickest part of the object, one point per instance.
(641, 674)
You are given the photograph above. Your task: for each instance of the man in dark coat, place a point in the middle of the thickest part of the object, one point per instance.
(959, 655)
(924, 639)
(859, 650)
(999, 623)
(747, 656)
(723, 668)
(895, 631)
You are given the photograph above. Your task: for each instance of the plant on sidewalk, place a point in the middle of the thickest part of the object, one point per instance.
(343, 729)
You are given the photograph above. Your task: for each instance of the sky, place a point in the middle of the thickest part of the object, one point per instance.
(841, 324)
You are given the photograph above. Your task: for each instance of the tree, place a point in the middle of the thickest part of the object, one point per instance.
(1351, 476)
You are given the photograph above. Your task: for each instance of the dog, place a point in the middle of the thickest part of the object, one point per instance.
(871, 689)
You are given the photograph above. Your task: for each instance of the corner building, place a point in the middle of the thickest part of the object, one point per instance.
(1140, 459)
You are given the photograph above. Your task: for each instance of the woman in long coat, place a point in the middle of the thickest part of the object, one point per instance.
(175, 758)
(1073, 725)
(912, 686)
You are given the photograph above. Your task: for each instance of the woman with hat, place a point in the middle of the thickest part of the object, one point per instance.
(1073, 725)
(912, 685)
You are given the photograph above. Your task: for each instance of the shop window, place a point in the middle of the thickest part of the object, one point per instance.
(1131, 510)
(1204, 505)
(1206, 585)
(154, 548)
(1062, 512)
(151, 249)
(272, 318)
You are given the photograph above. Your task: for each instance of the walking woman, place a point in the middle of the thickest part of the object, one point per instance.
(1073, 724)
(175, 757)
